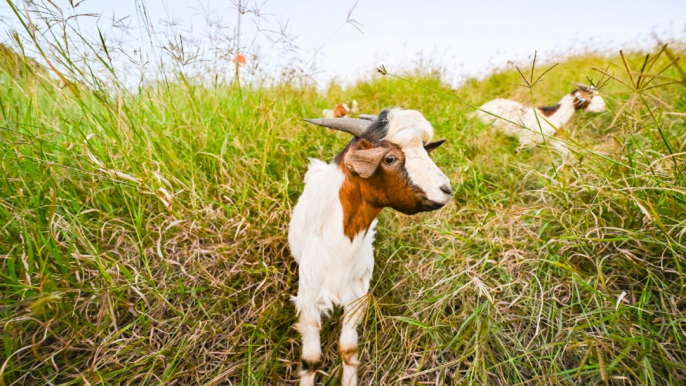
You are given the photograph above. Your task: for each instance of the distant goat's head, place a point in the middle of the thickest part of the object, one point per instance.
(587, 98)
(388, 160)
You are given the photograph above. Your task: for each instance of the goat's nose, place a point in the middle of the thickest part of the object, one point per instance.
(446, 189)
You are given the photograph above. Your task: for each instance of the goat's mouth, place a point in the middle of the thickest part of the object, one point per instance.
(429, 205)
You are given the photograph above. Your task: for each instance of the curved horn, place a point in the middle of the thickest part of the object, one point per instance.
(583, 86)
(369, 117)
(356, 127)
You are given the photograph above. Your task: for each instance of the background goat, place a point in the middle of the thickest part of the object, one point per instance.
(341, 110)
(332, 227)
(551, 118)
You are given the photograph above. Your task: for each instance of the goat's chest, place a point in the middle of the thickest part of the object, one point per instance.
(338, 270)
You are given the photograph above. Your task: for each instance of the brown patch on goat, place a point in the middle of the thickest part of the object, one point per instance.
(349, 356)
(341, 110)
(358, 213)
(548, 111)
(389, 186)
(582, 99)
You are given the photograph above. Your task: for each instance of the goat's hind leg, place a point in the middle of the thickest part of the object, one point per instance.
(354, 313)
(309, 326)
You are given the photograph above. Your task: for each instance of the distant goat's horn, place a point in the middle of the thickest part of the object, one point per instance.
(583, 86)
(356, 127)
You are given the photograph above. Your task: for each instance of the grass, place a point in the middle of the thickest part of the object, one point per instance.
(143, 235)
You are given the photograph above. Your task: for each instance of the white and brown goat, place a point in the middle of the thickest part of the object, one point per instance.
(331, 232)
(341, 110)
(548, 120)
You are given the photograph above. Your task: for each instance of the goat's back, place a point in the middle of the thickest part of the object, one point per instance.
(504, 108)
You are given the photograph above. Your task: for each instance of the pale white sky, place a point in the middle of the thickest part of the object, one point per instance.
(470, 36)
(467, 37)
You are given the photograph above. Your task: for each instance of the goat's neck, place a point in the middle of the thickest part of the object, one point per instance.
(358, 212)
(566, 110)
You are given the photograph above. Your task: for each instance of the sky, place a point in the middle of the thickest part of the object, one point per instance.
(471, 36)
(467, 38)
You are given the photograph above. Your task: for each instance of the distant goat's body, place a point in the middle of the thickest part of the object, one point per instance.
(536, 120)
(332, 227)
(340, 111)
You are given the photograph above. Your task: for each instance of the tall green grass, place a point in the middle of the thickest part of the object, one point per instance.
(143, 234)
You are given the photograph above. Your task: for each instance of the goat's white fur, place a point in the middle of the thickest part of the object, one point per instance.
(319, 245)
(333, 270)
(531, 117)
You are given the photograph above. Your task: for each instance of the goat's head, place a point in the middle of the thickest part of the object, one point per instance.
(388, 159)
(587, 98)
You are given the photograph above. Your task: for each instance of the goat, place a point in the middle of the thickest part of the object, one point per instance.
(340, 111)
(551, 118)
(332, 227)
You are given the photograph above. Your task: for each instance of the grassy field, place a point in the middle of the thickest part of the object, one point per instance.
(143, 234)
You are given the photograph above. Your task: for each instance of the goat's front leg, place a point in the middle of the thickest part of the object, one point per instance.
(309, 326)
(354, 313)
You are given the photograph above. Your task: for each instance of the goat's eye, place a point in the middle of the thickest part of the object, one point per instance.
(389, 160)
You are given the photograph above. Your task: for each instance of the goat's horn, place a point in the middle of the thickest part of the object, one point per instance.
(356, 127)
(369, 117)
(581, 85)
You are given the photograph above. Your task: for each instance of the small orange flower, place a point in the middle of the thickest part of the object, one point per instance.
(240, 59)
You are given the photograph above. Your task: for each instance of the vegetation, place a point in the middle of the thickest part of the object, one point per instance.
(143, 234)
(16, 65)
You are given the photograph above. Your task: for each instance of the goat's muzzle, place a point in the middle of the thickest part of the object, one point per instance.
(429, 205)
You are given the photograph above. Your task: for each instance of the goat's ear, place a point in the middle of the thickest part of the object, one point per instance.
(364, 162)
(431, 146)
